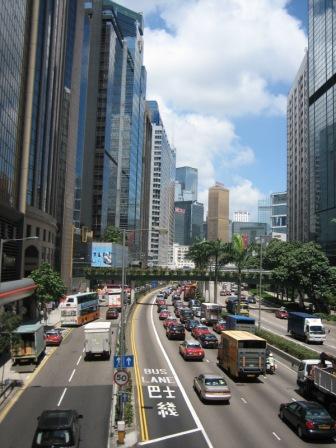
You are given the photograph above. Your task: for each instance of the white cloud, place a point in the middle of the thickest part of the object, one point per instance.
(244, 196)
(222, 56)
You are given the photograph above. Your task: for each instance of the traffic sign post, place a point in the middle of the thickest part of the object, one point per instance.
(121, 377)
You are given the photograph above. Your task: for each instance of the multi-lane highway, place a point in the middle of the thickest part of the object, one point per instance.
(65, 381)
(172, 414)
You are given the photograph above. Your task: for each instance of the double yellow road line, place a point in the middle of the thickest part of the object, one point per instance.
(141, 404)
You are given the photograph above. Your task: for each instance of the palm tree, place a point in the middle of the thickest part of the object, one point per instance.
(219, 255)
(240, 255)
(199, 254)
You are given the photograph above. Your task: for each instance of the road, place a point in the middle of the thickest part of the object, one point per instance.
(279, 326)
(251, 419)
(66, 381)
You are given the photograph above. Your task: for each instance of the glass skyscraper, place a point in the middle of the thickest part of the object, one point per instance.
(322, 122)
(187, 177)
(265, 212)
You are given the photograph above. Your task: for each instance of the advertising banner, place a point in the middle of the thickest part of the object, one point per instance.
(101, 256)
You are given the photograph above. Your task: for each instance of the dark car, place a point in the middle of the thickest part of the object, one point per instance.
(208, 340)
(194, 302)
(309, 419)
(251, 299)
(112, 313)
(186, 314)
(162, 308)
(176, 332)
(191, 323)
(58, 428)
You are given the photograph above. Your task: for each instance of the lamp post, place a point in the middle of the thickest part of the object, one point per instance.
(3, 241)
(260, 280)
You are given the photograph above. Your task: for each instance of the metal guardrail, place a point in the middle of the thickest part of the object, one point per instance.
(294, 361)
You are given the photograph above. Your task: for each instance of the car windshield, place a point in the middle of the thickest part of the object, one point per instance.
(317, 329)
(193, 345)
(210, 336)
(202, 327)
(215, 382)
(55, 437)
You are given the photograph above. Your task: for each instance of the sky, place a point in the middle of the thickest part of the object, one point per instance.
(221, 71)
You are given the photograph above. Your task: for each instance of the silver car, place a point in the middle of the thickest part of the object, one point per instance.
(212, 387)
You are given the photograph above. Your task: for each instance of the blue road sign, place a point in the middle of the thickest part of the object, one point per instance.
(117, 362)
(124, 397)
(128, 361)
(154, 283)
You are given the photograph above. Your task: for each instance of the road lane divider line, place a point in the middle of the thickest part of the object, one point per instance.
(178, 382)
(276, 435)
(170, 436)
(79, 360)
(243, 400)
(141, 410)
(293, 399)
(62, 396)
(83, 350)
(71, 376)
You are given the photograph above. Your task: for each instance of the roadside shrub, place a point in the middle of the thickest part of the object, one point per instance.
(327, 317)
(293, 349)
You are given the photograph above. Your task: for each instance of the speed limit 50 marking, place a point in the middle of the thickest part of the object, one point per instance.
(121, 377)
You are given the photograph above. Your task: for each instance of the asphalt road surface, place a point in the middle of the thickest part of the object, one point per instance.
(66, 381)
(250, 420)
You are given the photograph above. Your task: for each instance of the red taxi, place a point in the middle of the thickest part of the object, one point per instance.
(53, 337)
(169, 321)
(164, 314)
(191, 350)
(281, 313)
(219, 326)
(201, 329)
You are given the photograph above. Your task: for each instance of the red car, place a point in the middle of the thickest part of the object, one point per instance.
(170, 321)
(281, 313)
(164, 314)
(219, 326)
(191, 350)
(201, 329)
(53, 337)
(160, 302)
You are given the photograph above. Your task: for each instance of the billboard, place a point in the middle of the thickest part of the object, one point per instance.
(101, 255)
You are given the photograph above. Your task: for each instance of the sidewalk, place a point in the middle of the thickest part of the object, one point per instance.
(6, 371)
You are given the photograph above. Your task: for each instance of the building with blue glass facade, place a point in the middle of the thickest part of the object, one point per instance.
(322, 120)
(265, 212)
(279, 215)
(189, 217)
(187, 183)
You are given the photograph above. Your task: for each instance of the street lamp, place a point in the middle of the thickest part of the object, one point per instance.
(260, 279)
(3, 241)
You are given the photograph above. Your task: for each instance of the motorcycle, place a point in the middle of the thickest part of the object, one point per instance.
(270, 364)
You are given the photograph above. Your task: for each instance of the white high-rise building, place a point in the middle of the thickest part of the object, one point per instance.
(241, 216)
(161, 210)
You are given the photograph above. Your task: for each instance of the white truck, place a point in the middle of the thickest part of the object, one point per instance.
(306, 326)
(317, 379)
(114, 296)
(98, 339)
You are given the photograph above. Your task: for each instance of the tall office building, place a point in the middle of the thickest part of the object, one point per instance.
(161, 211)
(187, 178)
(322, 119)
(111, 122)
(241, 216)
(279, 215)
(265, 212)
(189, 217)
(297, 156)
(218, 213)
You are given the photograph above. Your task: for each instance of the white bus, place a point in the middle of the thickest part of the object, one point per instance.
(78, 309)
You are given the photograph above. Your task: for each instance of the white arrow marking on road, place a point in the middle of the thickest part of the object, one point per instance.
(243, 400)
(62, 396)
(276, 436)
(73, 372)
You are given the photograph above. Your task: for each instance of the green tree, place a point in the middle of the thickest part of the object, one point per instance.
(112, 234)
(199, 253)
(219, 256)
(8, 322)
(240, 255)
(50, 286)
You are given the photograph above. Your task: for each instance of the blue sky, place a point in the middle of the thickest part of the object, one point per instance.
(221, 71)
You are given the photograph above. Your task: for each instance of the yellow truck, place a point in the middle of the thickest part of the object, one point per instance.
(242, 354)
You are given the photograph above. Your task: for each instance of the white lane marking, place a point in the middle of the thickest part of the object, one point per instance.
(207, 360)
(276, 436)
(178, 434)
(73, 372)
(83, 349)
(264, 376)
(178, 382)
(79, 360)
(243, 400)
(293, 399)
(284, 365)
(62, 396)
